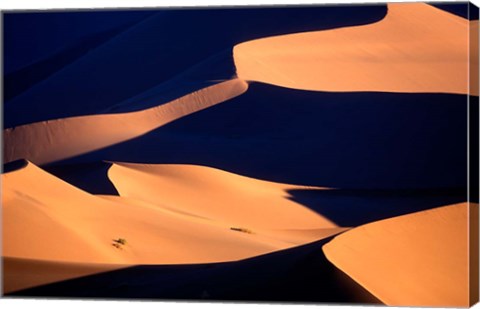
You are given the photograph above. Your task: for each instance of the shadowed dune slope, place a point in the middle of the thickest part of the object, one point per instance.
(49, 141)
(300, 274)
(415, 48)
(358, 207)
(339, 140)
(46, 38)
(46, 219)
(419, 259)
(463, 9)
(90, 177)
(146, 55)
(33, 60)
(20, 274)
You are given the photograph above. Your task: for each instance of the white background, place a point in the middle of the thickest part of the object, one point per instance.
(77, 304)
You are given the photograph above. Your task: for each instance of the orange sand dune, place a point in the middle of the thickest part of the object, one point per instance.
(419, 259)
(53, 140)
(415, 48)
(216, 195)
(46, 219)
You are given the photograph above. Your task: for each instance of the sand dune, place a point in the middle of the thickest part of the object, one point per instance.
(182, 214)
(49, 141)
(46, 219)
(340, 140)
(415, 48)
(316, 61)
(419, 259)
(299, 274)
(146, 55)
(215, 195)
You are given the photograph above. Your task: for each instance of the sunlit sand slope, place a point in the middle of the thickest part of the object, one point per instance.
(46, 219)
(215, 195)
(415, 48)
(419, 259)
(53, 140)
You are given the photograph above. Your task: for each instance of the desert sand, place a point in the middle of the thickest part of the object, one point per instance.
(415, 48)
(191, 213)
(215, 195)
(54, 140)
(48, 220)
(389, 55)
(420, 259)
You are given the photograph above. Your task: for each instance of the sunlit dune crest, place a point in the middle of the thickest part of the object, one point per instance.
(53, 140)
(46, 219)
(415, 48)
(215, 194)
(419, 259)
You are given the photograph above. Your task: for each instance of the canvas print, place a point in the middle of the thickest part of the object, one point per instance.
(309, 154)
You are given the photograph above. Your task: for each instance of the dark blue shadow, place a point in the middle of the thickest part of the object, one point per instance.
(357, 207)
(301, 274)
(24, 78)
(160, 47)
(341, 140)
(90, 177)
(463, 9)
(33, 36)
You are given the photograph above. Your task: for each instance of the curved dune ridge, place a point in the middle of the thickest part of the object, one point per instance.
(419, 259)
(146, 55)
(215, 195)
(53, 140)
(415, 48)
(46, 219)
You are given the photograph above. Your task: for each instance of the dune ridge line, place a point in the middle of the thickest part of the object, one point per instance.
(53, 140)
(45, 218)
(415, 48)
(419, 259)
